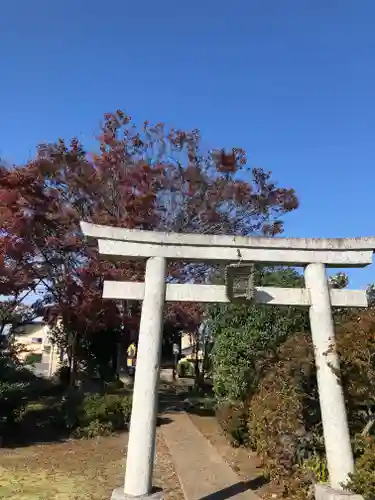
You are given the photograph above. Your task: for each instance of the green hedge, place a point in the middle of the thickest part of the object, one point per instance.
(363, 480)
(185, 368)
(17, 386)
(245, 334)
(284, 415)
(233, 420)
(95, 414)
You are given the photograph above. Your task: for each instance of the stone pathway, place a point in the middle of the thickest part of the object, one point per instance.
(202, 472)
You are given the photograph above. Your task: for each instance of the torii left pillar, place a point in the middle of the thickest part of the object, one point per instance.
(141, 445)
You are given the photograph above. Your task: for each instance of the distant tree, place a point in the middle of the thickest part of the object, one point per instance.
(371, 294)
(339, 280)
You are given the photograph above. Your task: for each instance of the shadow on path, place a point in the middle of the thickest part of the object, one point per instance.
(235, 489)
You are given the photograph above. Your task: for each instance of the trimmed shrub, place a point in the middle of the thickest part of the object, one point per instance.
(262, 360)
(244, 335)
(96, 414)
(363, 480)
(17, 386)
(234, 370)
(284, 414)
(356, 345)
(274, 417)
(93, 429)
(285, 423)
(12, 403)
(233, 420)
(185, 368)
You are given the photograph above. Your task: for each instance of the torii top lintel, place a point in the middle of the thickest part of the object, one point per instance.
(123, 243)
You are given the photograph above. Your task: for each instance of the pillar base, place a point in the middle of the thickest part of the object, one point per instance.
(325, 492)
(157, 494)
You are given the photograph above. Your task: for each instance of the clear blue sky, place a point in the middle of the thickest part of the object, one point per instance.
(291, 81)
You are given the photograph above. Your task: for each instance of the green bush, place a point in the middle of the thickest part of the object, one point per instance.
(233, 420)
(234, 369)
(96, 414)
(285, 422)
(16, 388)
(275, 416)
(185, 368)
(93, 429)
(245, 334)
(316, 468)
(12, 403)
(284, 413)
(362, 481)
(265, 359)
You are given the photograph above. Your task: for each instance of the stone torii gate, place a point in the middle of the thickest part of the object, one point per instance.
(314, 255)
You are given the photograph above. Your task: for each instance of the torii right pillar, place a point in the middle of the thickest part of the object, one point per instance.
(332, 403)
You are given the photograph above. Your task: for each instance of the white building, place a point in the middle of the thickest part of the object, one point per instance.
(36, 348)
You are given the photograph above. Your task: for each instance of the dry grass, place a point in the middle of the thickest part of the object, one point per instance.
(76, 470)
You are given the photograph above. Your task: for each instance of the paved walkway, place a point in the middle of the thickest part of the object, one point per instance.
(202, 472)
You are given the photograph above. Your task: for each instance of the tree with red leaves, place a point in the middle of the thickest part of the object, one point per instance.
(150, 178)
(17, 279)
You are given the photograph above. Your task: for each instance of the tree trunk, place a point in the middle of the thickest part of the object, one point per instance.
(197, 369)
(72, 362)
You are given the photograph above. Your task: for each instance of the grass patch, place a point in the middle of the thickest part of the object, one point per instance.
(70, 470)
(77, 470)
(41, 486)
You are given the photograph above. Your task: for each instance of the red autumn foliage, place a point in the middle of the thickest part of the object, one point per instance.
(154, 179)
